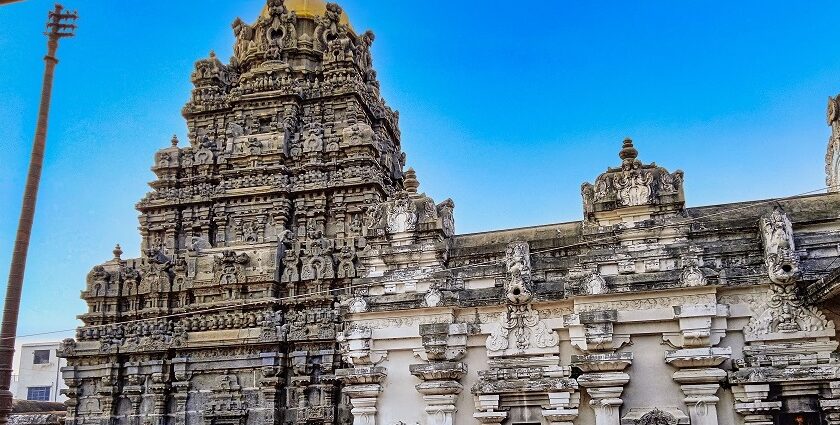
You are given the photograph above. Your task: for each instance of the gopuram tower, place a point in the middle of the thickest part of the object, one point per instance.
(251, 237)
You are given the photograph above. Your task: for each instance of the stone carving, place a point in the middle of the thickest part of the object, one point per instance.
(346, 267)
(402, 218)
(358, 305)
(318, 263)
(314, 141)
(521, 329)
(229, 268)
(633, 184)
(692, 276)
(595, 285)
(657, 417)
(785, 312)
(433, 298)
(832, 156)
(779, 251)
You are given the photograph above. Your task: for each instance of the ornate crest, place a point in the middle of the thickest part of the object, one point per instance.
(657, 417)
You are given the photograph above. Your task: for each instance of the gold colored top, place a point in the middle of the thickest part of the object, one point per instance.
(308, 9)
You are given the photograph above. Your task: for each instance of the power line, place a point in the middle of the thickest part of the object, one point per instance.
(485, 263)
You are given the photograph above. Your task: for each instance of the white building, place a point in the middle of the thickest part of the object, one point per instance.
(39, 373)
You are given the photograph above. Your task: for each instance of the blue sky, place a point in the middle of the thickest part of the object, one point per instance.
(505, 109)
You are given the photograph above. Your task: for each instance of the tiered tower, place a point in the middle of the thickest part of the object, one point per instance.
(250, 236)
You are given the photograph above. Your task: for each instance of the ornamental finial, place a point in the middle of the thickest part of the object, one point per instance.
(627, 150)
(410, 181)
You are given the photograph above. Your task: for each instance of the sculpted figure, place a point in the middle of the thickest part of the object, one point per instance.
(314, 142)
(518, 261)
(780, 257)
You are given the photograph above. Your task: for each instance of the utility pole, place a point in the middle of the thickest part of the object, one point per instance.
(60, 24)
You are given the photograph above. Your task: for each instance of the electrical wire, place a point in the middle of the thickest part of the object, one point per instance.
(479, 264)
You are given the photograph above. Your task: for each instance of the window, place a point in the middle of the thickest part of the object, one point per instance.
(41, 357)
(38, 393)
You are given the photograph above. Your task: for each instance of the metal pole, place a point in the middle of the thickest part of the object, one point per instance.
(57, 28)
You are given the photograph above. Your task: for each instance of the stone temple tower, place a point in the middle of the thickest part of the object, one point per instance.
(250, 237)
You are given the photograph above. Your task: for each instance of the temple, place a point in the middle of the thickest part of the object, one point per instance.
(293, 272)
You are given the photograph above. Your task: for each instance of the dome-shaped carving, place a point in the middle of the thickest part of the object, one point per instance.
(633, 184)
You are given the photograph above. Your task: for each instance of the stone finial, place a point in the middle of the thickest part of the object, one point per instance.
(628, 151)
(410, 181)
(117, 252)
(174, 141)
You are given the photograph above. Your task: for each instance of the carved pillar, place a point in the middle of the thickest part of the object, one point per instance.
(72, 393)
(604, 389)
(750, 402)
(270, 382)
(364, 378)
(180, 389)
(444, 344)
(134, 392)
(604, 377)
(698, 375)
(159, 389)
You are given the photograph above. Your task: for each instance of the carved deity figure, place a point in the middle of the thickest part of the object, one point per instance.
(518, 262)
(779, 252)
(633, 185)
(402, 217)
(313, 142)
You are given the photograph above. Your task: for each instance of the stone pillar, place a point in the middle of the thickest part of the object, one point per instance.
(750, 402)
(270, 381)
(440, 389)
(443, 345)
(701, 328)
(699, 379)
(364, 378)
(603, 377)
(702, 403)
(363, 399)
(605, 390)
